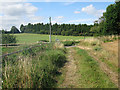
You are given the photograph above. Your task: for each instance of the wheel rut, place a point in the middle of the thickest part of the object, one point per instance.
(71, 76)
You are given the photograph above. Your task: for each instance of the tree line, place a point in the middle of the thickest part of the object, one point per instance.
(57, 29)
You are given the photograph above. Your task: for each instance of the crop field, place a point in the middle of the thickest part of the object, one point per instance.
(33, 38)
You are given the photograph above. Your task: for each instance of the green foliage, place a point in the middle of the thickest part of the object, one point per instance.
(108, 41)
(97, 48)
(6, 39)
(111, 17)
(14, 30)
(68, 43)
(34, 68)
(118, 70)
(109, 23)
(119, 38)
(63, 29)
(44, 41)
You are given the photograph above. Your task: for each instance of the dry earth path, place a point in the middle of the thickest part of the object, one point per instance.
(71, 77)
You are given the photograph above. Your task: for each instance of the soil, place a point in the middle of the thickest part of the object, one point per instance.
(71, 76)
(111, 46)
(112, 75)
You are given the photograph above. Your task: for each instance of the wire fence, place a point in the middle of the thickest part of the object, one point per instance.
(21, 50)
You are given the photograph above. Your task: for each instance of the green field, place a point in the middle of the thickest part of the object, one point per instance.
(27, 39)
(33, 38)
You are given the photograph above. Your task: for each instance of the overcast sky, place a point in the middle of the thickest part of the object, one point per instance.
(24, 12)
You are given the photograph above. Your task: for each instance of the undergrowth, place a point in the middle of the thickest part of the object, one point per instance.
(33, 68)
(70, 43)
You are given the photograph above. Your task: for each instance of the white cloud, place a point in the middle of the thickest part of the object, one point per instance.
(67, 2)
(17, 9)
(83, 21)
(58, 19)
(47, 0)
(13, 0)
(16, 13)
(92, 11)
(76, 12)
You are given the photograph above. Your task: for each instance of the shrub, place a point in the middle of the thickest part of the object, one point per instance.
(33, 72)
(44, 41)
(68, 43)
(7, 39)
(119, 38)
(97, 48)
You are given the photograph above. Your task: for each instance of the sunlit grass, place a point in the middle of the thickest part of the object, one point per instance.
(33, 38)
(91, 75)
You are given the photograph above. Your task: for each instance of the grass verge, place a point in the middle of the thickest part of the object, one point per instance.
(33, 68)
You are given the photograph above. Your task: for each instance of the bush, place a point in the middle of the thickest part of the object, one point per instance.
(44, 41)
(68, 43)
(97, 48)
(7, 39)
(33, 72)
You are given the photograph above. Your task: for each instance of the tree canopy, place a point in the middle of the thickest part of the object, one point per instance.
(57, 29)
(14, 30)
(7, 39)
(109, 23)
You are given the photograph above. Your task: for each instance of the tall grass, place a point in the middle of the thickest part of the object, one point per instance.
(108, 38)
(110, 58)
(90, 42)
(33, 68)
(97, 41)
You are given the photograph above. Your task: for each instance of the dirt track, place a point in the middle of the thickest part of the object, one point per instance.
(113, 47)
(71, 69)
(71, 76)
(112, 75)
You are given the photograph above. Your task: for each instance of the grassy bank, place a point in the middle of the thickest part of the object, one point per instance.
(33, 68)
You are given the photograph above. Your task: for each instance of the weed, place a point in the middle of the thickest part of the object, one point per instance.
(35, 68)
(68, 43)
(97, 48)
